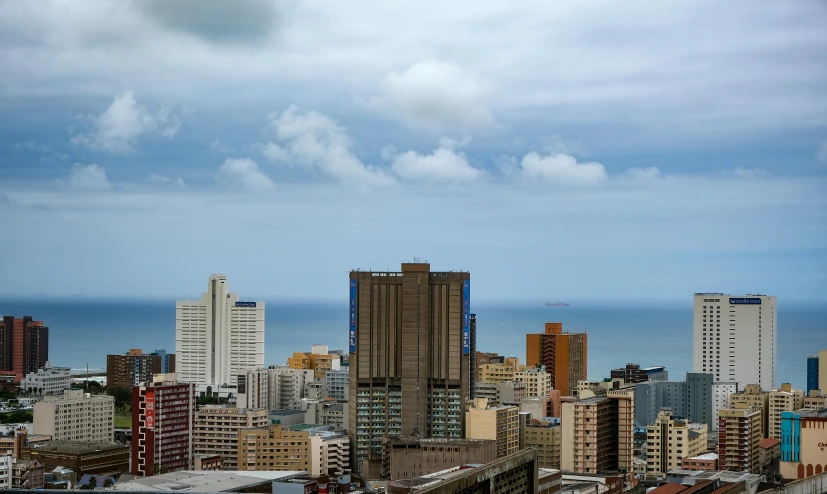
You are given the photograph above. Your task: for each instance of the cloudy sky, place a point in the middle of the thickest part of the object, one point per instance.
(554, 149)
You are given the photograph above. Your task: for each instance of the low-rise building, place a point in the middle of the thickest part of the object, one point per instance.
(633, 374)
(208, 463)
(499, 423)
(669, 441)
(707, 462)
(500, 392)
(815, 400)
(287, 418)
(329, 453)
(318, 359)
(536, 380)
(26, 474)
(336, 383)
(769, 454)
(545, 436)
(406, 457)
(803, 443)
(274, 448)
(327, 413)
(76, 416)
(216, 431)
(47, 381)
(81, 457)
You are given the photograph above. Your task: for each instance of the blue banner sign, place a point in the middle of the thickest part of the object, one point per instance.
(352, 316)
(466, 317)
(744, 301)
(245, 304)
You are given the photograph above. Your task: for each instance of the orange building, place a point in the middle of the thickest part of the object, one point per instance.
(24, 345)
(563, 354)
(317, 360)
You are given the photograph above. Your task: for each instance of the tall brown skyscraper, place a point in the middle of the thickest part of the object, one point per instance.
(24, 345)
(563, 354)
(410, 338)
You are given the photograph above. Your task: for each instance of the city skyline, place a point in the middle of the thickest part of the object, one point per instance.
(574, 150)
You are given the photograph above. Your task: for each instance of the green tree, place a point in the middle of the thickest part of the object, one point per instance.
(108, 483)
(93, 482)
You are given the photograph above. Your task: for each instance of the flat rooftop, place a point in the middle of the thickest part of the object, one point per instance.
(71, 447)
(202, 481)
(285, 413)
(436, 440)
(705, 456)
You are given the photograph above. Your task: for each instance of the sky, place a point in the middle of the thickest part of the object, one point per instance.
(600, 150)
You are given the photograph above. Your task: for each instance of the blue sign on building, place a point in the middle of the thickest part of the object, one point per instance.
(745, 301)
(352, 316)
(466, 317)
(245, 304)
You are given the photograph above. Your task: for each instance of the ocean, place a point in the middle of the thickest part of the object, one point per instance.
(83, 331)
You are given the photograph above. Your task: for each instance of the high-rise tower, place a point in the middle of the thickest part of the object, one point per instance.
(24, 345)
(735, 338)
(565, 356)
(217, 337)
(409, 355)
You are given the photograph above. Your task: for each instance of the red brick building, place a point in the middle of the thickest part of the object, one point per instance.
(24, 345)
(163, 414)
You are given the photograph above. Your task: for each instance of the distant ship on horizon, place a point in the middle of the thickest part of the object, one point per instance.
(557, 304)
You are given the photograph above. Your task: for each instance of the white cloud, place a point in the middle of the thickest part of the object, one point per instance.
(315, 141)
(444, 164)
(243, 173)
(88, 177)
(118, 129)
(647, 173)
(821, 151)
(437, 96)
(561, 169)
(157, 180)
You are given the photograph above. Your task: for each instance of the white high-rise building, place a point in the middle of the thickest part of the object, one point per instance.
(735, 338)
(217, 337)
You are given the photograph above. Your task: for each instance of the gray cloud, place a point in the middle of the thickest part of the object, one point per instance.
(237, 21)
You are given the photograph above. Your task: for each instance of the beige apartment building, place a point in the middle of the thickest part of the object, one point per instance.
(500, 423)
(546, 438)
(784, 399)
(273, 449)
(815, 400)
(536, 380)
(76, 416)
(753, 396)
(498, 372)
(217, 427)
(598, 433)
(669, 441)
(739, 438)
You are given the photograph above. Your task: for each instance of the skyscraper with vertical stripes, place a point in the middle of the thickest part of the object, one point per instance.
(410, 338)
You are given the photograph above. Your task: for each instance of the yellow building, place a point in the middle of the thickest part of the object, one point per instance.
(216, 431)
(506, 371)
(784, 399)
(669, 441)
(274, 449)
(536, 381)
(500, 423)
(753, 396)
(545, 437)
(317, 359)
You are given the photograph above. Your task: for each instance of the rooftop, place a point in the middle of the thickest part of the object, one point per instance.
(705, 456)
(435, 440)
(593, 400)
(285, 413)
(769, 442)
(72, 447)
(203, 481)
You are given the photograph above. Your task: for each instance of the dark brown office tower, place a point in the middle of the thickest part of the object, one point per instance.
(125, 370)
(409, 356)
(24, 345)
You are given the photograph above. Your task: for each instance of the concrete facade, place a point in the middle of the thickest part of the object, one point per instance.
(274, 449)
(76, 416)
(500, 392)
(545, 437)
(409, 355)
(739, 438)
(784, 399)
(753, 396)
(669, 441)
(337, 384)
(735, 338)
(406, 457)
(218, 336)
(499, 423)
(803, 443)
(277, 387)
(216, 431)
